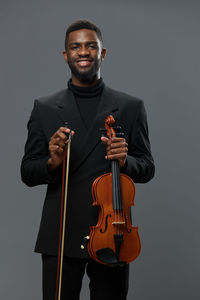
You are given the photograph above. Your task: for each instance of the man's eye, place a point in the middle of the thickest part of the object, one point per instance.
(92, 46)
(74, 47)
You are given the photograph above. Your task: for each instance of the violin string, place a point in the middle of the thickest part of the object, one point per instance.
(112, 134)
(121, 205)
(121, 202)
(117, 202)
(114, 193)
(119, 195)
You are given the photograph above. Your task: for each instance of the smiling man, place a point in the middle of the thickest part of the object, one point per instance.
(84, 105)
(84, 53)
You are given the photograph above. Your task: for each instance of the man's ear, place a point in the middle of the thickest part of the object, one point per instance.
(65, 56)
(103, 53)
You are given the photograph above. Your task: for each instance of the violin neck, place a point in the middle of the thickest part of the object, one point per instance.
(116, 186)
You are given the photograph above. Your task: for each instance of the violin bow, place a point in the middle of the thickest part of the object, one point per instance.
(65, 175)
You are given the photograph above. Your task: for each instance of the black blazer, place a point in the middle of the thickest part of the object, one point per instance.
(87, 161)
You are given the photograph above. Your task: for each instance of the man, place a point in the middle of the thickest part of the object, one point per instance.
(84, 105)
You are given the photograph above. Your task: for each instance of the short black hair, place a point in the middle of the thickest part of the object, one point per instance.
(82, 24)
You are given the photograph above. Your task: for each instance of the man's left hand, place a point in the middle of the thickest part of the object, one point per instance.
(116, 148)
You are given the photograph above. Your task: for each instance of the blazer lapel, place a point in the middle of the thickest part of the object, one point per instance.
(68, 111)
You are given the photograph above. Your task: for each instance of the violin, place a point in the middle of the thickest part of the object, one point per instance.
(113, 241)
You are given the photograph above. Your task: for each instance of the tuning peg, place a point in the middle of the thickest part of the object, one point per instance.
(120, 134)
(103, 132)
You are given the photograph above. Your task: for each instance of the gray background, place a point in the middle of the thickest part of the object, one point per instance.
(153, 53)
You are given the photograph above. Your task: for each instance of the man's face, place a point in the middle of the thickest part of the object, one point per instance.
(84, 54)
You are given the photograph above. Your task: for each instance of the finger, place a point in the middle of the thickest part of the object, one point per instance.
(69, 136)
(62, 135)
(67, 131)
(55, 149)
(63, 130)
(57, 141)
(117, 140)
(117, 145)
(105, 140)
(117, 151)
(58, 135)
(119, 156)
(61, 143)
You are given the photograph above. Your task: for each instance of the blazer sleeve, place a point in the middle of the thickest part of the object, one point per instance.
(34, 163)
(139, 164)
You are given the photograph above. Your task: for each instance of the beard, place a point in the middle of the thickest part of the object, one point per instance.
(85, 75)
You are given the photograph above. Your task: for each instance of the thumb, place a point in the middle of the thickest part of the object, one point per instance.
(104, 140)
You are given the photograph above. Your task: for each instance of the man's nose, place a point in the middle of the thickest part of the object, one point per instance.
(83, 51)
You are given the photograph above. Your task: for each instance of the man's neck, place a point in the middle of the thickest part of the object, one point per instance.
(77, 82)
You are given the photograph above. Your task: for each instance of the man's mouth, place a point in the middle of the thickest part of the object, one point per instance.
(83, 62)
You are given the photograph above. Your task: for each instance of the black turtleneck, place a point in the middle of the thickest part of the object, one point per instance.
(87, 100)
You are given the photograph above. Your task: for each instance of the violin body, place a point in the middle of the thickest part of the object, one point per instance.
(114, 230)
(113, 241)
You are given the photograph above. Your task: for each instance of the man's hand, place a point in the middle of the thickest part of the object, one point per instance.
(116, 148)
(56, 147)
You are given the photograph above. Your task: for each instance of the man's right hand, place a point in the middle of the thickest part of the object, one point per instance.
(56, 147)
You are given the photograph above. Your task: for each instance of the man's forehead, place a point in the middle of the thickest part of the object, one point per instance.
(82, 36)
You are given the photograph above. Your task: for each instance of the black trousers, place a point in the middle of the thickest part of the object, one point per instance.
(106, 283)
